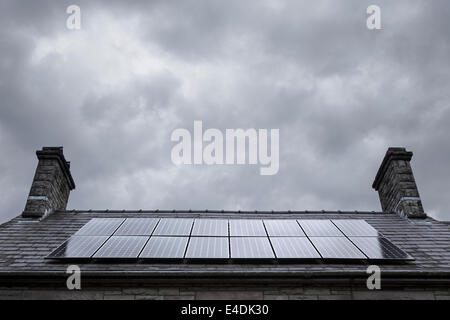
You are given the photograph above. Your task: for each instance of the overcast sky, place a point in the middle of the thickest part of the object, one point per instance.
(113, 92)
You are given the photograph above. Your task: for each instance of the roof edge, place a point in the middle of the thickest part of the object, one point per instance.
(77, 211)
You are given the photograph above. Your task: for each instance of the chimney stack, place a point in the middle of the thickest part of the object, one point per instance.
(396, 185)
(51, 185)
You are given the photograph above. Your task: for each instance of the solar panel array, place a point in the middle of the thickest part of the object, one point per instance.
(223, 239)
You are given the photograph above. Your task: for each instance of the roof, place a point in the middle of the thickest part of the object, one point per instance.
(25, 243)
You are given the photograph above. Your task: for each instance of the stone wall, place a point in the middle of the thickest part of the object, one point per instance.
(303, 292)
(396, 185)
(51, 185)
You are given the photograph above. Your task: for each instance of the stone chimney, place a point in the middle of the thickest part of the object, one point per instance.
(396, 185)
(51, 185)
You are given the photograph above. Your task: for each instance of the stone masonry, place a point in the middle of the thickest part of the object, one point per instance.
(396, 185)
(51, 185)
(300, 292)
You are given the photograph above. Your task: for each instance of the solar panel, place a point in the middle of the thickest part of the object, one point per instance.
(320, 228)
(336, 248)
(208, 247)
(165, 248)
(251, 248)
(283, 228)
(178, 238)
(174, 227)
(247, 228)
(379, 248)
(293, 248)
(137, 227)
(210, 227)
(100, 227)
(121, 247)
(356, 228)
(78, 247)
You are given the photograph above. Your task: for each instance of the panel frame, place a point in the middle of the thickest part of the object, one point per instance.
(258, 224)
(270, 229)
(274, 241)
(164, 238)
(120, 232)
(118, 221)
(101, 239)
(342, 225)
(316, 243)
(355, 241)
(156, 231)
(205, 239)
(195, 232)
(139, 247)
(304, 222)
(265, 258)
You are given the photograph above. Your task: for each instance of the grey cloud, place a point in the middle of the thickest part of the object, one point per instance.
(339, 93)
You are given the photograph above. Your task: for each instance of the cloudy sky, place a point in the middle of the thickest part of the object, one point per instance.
(113, 92)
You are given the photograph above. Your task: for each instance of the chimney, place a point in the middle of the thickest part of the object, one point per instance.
(51, 185)
(396, 185)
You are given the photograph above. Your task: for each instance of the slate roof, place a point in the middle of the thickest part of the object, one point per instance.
(25, 243)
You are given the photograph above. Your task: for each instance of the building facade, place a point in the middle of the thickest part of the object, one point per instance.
(27, 240)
